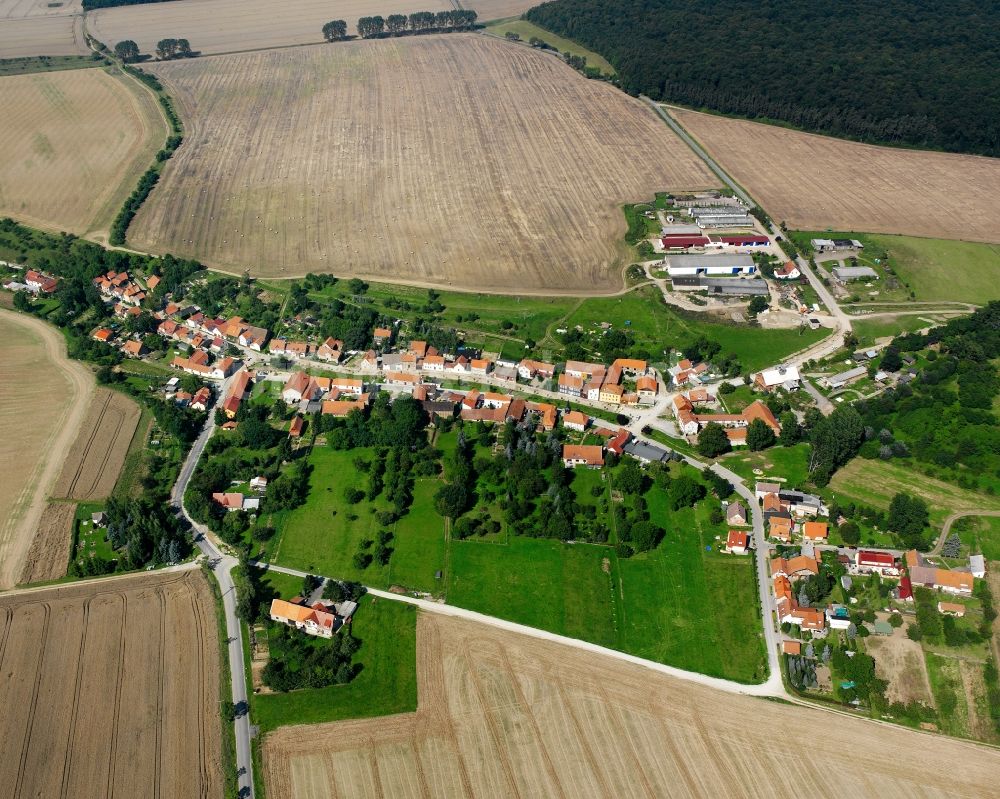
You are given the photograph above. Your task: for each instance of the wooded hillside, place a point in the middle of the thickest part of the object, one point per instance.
(899, 72)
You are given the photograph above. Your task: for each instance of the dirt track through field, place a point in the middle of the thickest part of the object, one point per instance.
(817, 182)
(74, 143)
(503, 715)
(456, 160)
(111, 689)
(43, 399)
(48, 556)
(95, 460)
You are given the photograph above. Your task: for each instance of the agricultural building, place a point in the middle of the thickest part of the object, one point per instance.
(714, 264)
(847, 273)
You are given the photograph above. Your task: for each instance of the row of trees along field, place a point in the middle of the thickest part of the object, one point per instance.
(899, 72)
(401, 24)
(90, 5)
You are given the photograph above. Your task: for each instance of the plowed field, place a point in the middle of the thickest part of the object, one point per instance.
(502, 715)
(111, 688)
(96, 458)
(448, 160)
(817, 182)
(229, 26)
(73, 144)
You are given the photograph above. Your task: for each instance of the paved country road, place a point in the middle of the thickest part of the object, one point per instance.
(223, 566)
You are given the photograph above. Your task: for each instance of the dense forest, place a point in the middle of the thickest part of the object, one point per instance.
(901, 72)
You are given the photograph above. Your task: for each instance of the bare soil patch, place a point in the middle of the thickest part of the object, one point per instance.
(816, 182)
(74, 144)
(456, 160)
(49, 553)
(44, 399)
(229, 26)
(111, 688)
(505, 715)
(901, 661)
(98, 454)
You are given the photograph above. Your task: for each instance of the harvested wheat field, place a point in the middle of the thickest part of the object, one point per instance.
(504, 715)
(454, 160)
(42, 35)
(20, 9)
(817, 182)
(43, 400)
(48, 556)
(74, 144)
(111, 688)
(230, 26)
(498, 9)
(98, 454)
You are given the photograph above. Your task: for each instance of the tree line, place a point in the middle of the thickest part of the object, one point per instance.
(376, 27)
(90, 5)
(902, 72)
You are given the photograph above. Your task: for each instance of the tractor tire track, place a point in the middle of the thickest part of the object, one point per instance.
(68, 758)
(116, 715)
(43, 637)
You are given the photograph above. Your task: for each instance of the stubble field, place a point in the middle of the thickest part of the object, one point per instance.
(98, 454)
(816, 182)
(111, 688)
(74, 144)
(43, 399)
(230, 26)
(41, 27)
(503, 715)
(447, 160)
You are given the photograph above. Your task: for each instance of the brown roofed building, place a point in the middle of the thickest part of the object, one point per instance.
(591, 456)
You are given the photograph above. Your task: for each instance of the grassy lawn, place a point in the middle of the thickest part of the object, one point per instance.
(659, 328)
(683, 603)
(980, 534)
(939, 269)
(527, 30)
(687, 604)
(44, 63)
(322, 537)
(789, 462)
(946, 685)
(563, 588)
(386, 684)
(876, 482)
(868, 331)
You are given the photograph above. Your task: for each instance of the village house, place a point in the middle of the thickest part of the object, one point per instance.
(433, 363)
(339, 408)
(787, 271)
(868, 561)
(611, 394)
(838, 617)
(647, 388)
(786, 377)
(570, 386)
(402, 379)
(134, 349)
(418, 348)
(202, 397)
(815, 531)
(103, 335)
(690, 423)
(301, 386)
(381, 335)
(736, 514)
(617, 442)
(295, 429)
(576, 420)
(795, 567)
(347, 385)
(330, 350)
(951, 609)
(591, 456)
(233, 501)
(480, 366)
(39, 282)
(527, 369)
(258, 484)
(780, 527)
(369, 361)
(585, 371)
(951, 581)
(738, 542)
(237, 391)
(314, 620)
